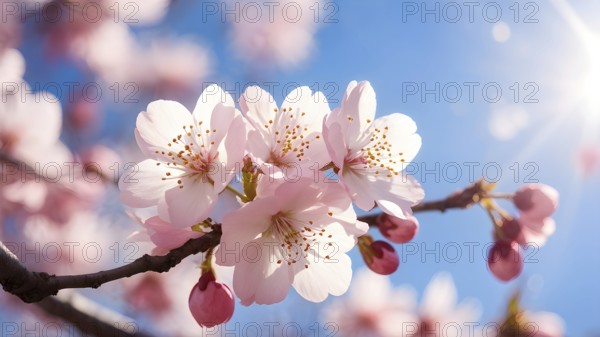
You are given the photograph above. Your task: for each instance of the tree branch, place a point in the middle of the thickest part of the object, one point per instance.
(39, 287)
(33, 286)
(89, 323)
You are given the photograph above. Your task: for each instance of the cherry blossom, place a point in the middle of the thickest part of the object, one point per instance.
(536, 203)
(29, 128)
(101, 159)
(64, 247)
(286, 138)
(172, 65)
(268, 40)
(547, 324)
(12, 66)
(298, 236)
(372, 308)
(439, 307)
(149, 293)
(370, 154)
(193, 156)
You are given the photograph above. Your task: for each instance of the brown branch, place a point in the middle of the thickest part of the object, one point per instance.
(33, 286)
(38, 287)
(87, 322)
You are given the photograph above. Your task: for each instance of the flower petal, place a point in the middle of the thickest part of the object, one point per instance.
(258, 278)
(159, 124)
(142, 185)
(323, 277)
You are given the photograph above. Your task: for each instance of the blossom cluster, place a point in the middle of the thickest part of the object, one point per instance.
(281, 231)
(375, 308)
(536, 203)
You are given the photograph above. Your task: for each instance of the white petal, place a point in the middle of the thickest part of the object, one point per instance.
(159, 124)
(370, 290)
(258, 106)
(334, 141)
(402, 137)
(439, 298)
(258, 278)
(359, 104)
(359, 188)
(191, 204)
(142, 185)
(397, 194)
(323, 277)
(212, 103)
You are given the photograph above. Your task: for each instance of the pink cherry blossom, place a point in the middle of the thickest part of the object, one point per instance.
(546, 324)
(211, 302)
(59, 247)
(12, 66)
(298, 236)
(505, 260)
(171, 66)
(167, 237)
(110, 50)
(371, 154)
(149, 294)
(439, 308)
(396, 229)
(373, 307)
(535, 231)
(192, 157)
(101, 159)
(30, 127)
(380, 257)
(84, 115)
(10, 29)
(286, 140)
(536, 201)
(282, 37)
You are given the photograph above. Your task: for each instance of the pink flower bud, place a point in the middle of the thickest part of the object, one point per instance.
(211, 302)
(380, 257)
(510, 230)
(536, 200)
(398, 230)
(505, 260)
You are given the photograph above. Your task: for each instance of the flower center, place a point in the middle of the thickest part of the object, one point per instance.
(295, 238)
(378, 156)
(197, 157)
(291, 137)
